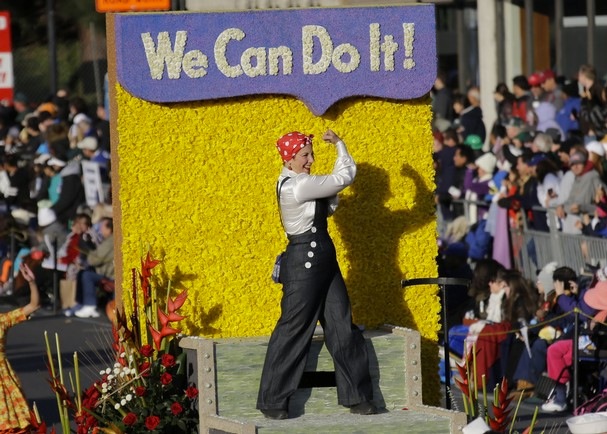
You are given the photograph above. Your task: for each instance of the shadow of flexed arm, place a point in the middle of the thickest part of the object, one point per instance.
(371, 231)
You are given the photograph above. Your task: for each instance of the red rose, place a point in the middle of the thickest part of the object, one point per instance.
(151, 422)
(140, 390)
(176, 408)
(147, 350)
(144, 369)
(130, 419)
(166, 378)
(191, 392)
(167, 360)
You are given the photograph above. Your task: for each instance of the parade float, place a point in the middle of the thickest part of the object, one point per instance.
(197, 103)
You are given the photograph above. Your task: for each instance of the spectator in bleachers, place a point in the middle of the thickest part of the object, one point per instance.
(485, 272)
(102, 262)
(445, 173)
(596, 226)
(102, 126)
(504, 100)
(521, 108)
(549, 180)
(475, 143)
(58, 142)
(592, 113)
(19, 182)
(471, 117)
(537, 92)
(498, 139)
(566, 116)
(90, 151)
(39, 182)
(71, 190)
(516, 302)
(462, 158)
(442, 104)
(477, 184)
(546, 118)
(583, 190)
(530, 367)
(559, 353)
(22, 108)
(596, 155)
(527, 197)
(31, 137)
(552, 92)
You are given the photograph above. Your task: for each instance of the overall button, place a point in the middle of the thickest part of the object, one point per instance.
(308, 264)
(313, 244)
(313, 230)
(310, 254)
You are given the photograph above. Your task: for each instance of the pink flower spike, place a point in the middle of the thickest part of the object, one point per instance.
(168, 331)
(175, 317)
(177, 302)
(156, 336)
(163, 318)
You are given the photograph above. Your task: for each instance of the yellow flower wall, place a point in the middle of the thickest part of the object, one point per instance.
(197, 185)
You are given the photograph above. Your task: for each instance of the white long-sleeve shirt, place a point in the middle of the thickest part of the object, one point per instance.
(298, 194)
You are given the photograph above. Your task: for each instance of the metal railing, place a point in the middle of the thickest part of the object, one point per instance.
(531, 249)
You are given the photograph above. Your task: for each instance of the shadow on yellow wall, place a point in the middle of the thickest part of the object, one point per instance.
(375, 243)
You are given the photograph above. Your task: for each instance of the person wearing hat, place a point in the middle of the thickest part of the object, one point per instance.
(21, 106)
(535, 80)
(546, 118)
(596, 155)
(52, 229)
(552, 92)
(477, 185)
(70, 193)
(475, 143)
(583, 191)
(313, 287)
(91, 151)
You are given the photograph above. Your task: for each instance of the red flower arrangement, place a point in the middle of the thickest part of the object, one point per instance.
(146, 389)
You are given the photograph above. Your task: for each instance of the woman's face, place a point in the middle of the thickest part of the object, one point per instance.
(302, 162)
(495, 286)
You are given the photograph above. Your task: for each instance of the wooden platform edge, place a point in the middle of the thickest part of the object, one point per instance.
(413, 380)
(206, 376)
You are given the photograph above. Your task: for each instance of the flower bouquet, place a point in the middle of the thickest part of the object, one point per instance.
(146, 389)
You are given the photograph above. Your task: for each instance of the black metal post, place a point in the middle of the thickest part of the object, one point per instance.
(576, 338)
(52, 44)
(55, 277)
(446, 348)
(13, 254)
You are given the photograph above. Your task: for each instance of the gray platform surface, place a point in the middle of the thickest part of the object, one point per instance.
(239, 365)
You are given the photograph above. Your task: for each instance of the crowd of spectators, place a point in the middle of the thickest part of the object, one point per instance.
(54, 215)
(546, 150)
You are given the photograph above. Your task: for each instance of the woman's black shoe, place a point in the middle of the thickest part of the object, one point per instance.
(275, 414)
(364, 408)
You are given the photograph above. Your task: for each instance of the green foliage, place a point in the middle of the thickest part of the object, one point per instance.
(31, 68)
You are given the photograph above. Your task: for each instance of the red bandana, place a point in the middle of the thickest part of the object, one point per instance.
(290, 144)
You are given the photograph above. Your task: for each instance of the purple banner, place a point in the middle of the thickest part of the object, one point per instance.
(319, 56)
